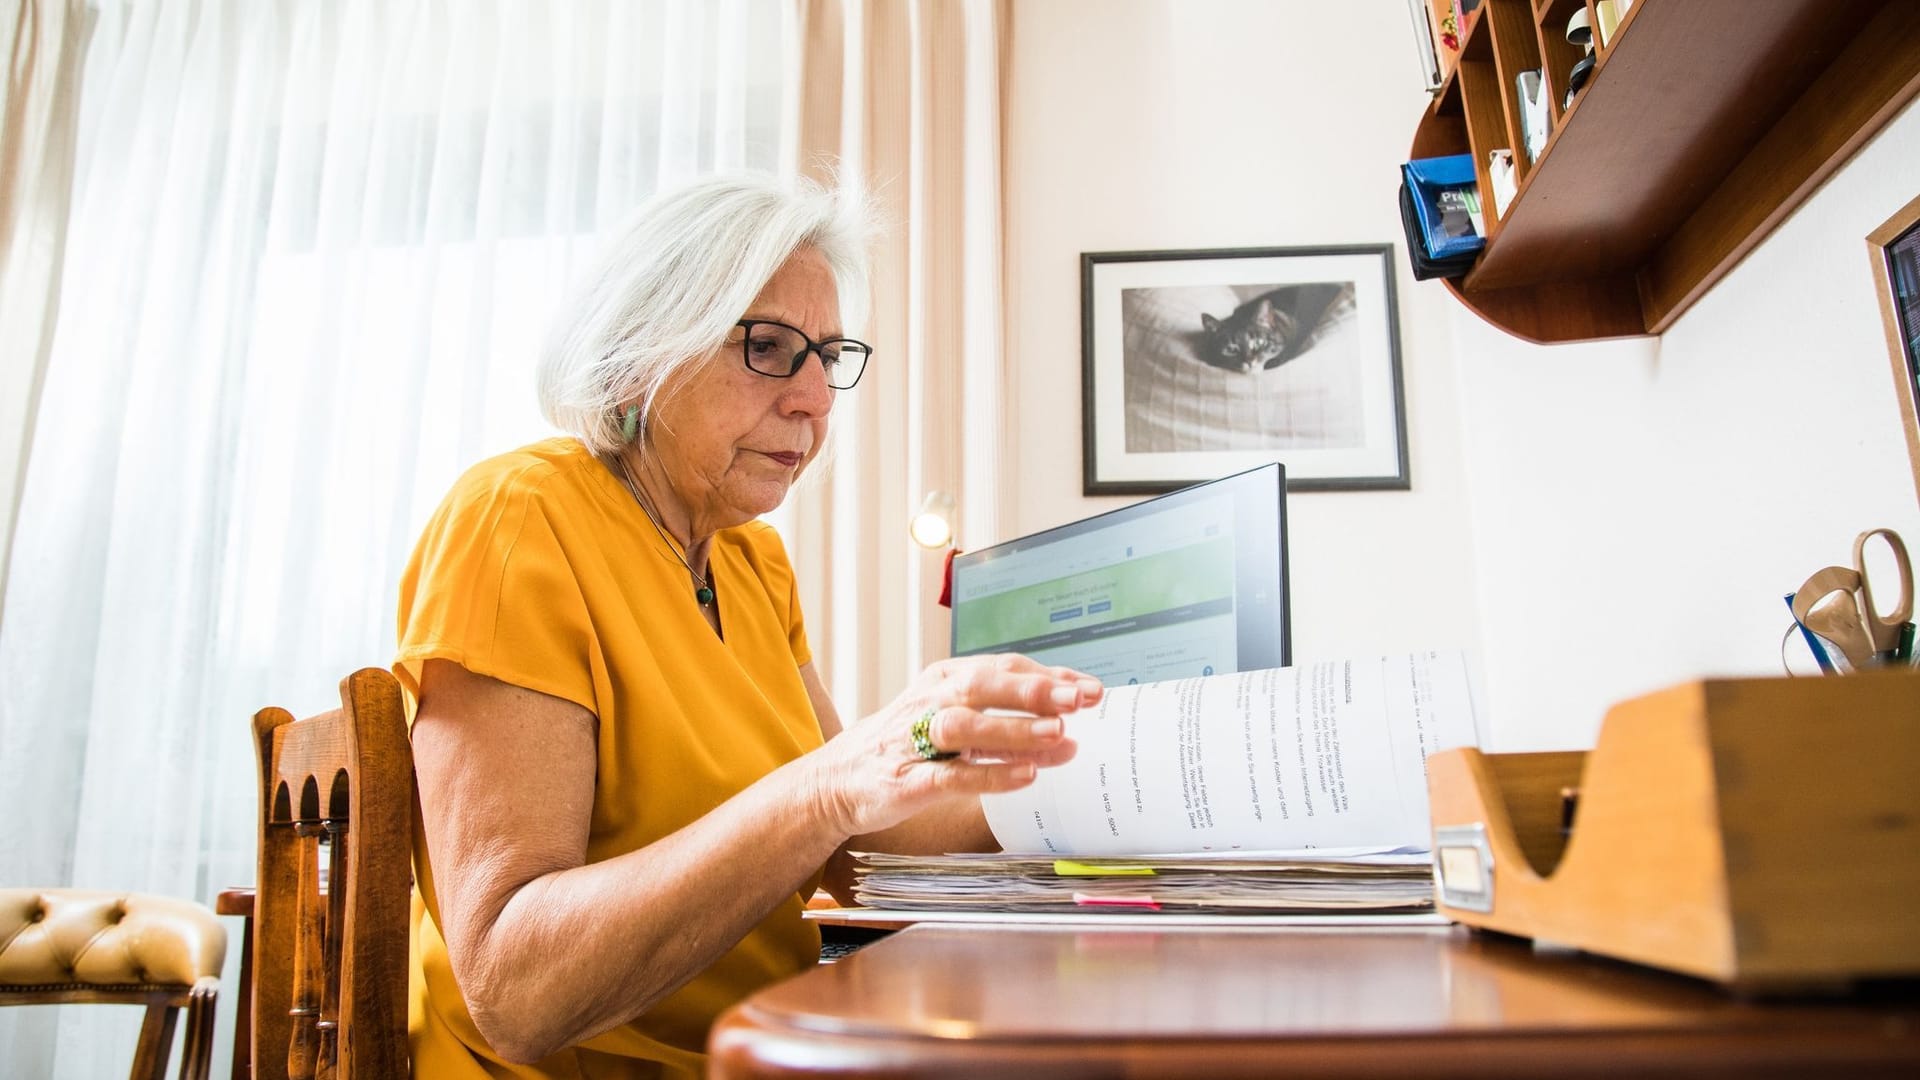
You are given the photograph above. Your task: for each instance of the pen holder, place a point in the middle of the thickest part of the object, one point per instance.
(1761, 833)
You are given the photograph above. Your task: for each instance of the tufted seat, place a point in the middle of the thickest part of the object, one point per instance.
(64, 946)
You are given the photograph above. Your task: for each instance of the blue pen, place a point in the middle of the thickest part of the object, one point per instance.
(1813, 640)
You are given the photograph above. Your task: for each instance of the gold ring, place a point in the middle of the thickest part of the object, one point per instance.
(923, 739)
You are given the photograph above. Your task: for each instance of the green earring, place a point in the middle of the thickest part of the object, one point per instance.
(630, 423)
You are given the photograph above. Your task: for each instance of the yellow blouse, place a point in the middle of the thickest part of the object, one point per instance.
(539, 569)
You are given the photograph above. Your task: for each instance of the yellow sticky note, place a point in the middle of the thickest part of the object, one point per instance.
(1069, 868)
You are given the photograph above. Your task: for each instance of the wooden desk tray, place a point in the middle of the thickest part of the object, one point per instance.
(1762, 833)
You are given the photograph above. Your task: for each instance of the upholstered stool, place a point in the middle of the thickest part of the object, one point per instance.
(61, 946)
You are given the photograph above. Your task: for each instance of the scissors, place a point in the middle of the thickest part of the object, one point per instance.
(1837, 603)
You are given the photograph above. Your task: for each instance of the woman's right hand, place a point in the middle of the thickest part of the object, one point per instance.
(872, 776)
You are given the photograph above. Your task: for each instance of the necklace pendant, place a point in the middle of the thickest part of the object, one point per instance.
(704, 594)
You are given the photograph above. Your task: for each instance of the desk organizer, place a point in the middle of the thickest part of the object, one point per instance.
(1762, 833)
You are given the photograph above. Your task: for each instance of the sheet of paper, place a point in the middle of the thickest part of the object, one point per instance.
(1188, 884)
(1114, 920)
(1321, 755)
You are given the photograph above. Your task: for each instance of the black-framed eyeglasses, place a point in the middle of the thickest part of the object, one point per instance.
(776, 349)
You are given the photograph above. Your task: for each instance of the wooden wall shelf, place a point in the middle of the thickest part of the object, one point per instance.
(1705, 123)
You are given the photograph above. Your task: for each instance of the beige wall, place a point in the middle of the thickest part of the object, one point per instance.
(1591, 521)
(1143, 124)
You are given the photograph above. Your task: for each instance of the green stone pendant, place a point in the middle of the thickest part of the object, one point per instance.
(704, 594)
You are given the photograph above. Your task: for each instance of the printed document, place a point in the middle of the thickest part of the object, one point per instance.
(1327, 755)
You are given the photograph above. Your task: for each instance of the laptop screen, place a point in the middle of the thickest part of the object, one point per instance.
(1189, 583)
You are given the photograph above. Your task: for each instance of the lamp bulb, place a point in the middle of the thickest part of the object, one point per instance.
(932, 526)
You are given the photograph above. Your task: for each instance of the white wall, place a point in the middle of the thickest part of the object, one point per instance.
(1592, 521)
(1641, 507)
(1143, 124)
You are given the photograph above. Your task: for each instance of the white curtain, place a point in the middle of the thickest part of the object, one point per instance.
(41, 42)
(311, 249)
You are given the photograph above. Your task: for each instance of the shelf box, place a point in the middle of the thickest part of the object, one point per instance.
(1761, 833)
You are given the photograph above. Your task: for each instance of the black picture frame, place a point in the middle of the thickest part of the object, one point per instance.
(1200, 363)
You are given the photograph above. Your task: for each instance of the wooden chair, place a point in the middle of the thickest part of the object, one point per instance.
(330, 948)
(73, 946)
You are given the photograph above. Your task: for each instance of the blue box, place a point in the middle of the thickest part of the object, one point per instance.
(1446, 200)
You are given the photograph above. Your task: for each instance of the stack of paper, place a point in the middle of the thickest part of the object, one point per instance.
(1397, 881)
(1280, 791)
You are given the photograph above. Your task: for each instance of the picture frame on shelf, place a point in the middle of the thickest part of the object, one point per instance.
(1420, 13)
(1895, 249)
(1200, 363)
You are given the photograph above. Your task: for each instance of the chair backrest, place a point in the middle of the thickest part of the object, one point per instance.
(330, 953)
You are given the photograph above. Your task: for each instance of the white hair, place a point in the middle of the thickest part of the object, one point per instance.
(676, 277)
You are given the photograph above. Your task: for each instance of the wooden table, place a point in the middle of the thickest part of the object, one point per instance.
(1056, 1002)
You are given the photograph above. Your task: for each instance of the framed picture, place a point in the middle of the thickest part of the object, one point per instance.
(1197, 364)
(1895, 247)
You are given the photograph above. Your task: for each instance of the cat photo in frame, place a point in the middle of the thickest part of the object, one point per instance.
(1197, 364)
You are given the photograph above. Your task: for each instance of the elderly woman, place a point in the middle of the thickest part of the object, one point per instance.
(630, 774)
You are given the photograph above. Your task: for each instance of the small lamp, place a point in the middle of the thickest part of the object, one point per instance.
(932, 527)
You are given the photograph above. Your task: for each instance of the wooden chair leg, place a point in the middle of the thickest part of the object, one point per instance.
(196, 1055)
(243, 1008)
(156, 1039)
(240, 902)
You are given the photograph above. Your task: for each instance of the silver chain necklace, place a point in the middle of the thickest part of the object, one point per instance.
(704, 594)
